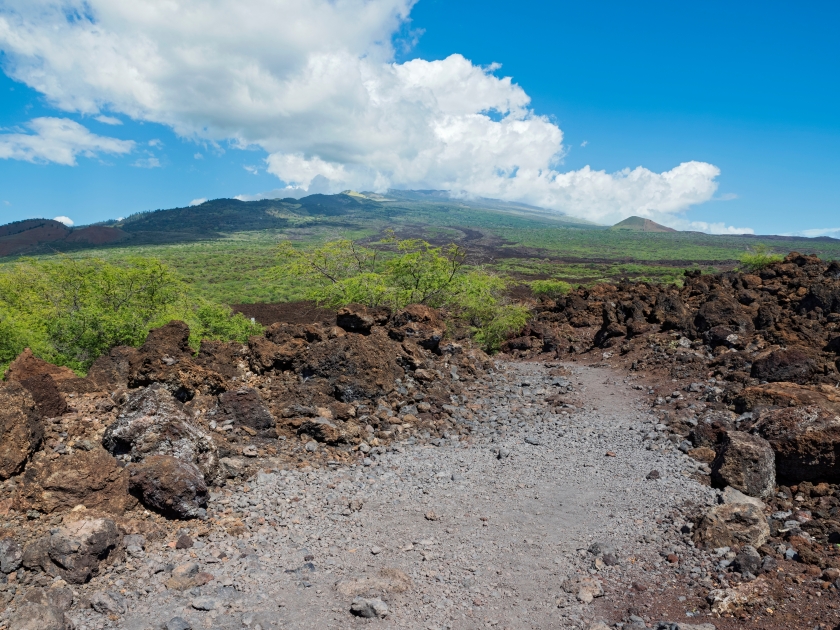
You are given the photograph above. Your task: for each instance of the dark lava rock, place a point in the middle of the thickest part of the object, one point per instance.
(360, 319)
(169, 485)
(794, 365)
(245, 407)
(747, 463)
(21, 428)
(74, 552)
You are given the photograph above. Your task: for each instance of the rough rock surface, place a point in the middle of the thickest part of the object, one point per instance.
(89, 478)
(730, 525)
(806, 441)
(21, 428)
(153, 422)
(747, 463)
(244, 407)
(170, 485)
(74, 552)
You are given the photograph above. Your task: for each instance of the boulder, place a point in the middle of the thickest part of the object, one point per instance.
(49, 401)
(267, 355)
(806, 441)
(74, 552)
(732, 524)
(21, 428)
(245, 408)
(113, 370)
(153, 422)
(420, 324)
(747, 463)
(356, 366)
(27, 365)
(89, 478)
(793, 365)
(169, 485)
(172, 340)
(670, 311)
(32, 616)
(11, 555)
(361, 319)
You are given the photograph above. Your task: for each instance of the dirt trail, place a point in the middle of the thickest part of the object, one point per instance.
(483, 532)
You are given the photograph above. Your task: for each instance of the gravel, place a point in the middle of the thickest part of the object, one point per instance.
(528, 502)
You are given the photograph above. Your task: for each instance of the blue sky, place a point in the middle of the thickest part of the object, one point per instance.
(747, 95)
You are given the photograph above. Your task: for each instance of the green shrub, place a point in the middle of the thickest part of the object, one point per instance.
(411, 272)
(71, 311)
(759, 258)
(550, 289)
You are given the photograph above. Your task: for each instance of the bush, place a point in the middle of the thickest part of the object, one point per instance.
(69, 312)
(412, 272)
(759, 258)
(550, 289)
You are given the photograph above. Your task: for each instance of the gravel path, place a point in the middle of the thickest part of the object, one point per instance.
(481, 532)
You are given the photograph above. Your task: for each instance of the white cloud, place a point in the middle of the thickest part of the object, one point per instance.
(149, 162)
(252, 169)
(313, 83)
(198, 156)
(584, 143)
(65, 220)
(7, 203)
(198, 202)
(108, 120)
(155, 143)
(812, 233)
(58, 140)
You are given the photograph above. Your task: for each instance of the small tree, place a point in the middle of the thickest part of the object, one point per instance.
(550, 289)
(413, 272)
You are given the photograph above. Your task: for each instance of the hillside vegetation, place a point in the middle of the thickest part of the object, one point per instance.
(224, 249)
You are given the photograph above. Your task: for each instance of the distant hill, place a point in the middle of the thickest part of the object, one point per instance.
(219, 218)
(34, 234)
(638, 224)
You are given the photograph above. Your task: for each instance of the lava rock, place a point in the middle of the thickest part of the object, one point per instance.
(21, 428)
(169, 485)
(794, 365)
(747, 463)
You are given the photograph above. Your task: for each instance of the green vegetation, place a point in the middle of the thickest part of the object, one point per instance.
(224, 249)
(551, 289)
(759, 258)
(70, 311)
(403, 272)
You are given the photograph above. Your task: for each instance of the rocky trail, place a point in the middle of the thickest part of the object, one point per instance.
(640, 457)
(489, 531)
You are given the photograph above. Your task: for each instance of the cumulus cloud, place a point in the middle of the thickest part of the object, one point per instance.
(815, 232)
(65, 220)
(198, 202)
(313, 83)
(58, 140)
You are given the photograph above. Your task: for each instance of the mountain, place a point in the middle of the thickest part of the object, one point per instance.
(37, 234)
(638, 224)
(221, 218)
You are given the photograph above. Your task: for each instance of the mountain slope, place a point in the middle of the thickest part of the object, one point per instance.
(638, 224)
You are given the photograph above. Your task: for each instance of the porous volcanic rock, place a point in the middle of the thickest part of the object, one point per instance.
(418, 323)
(361, 319)
(21, 428)
(49, 401)
(747, 463)
(74, 552)
(27, 365)
(89, 478)
(33, 616)
(793, 365)
(169, 485)
(355, 366)
(806, 441)
(153, 422)
(113, 370)
(732, 524)
(244, 407)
